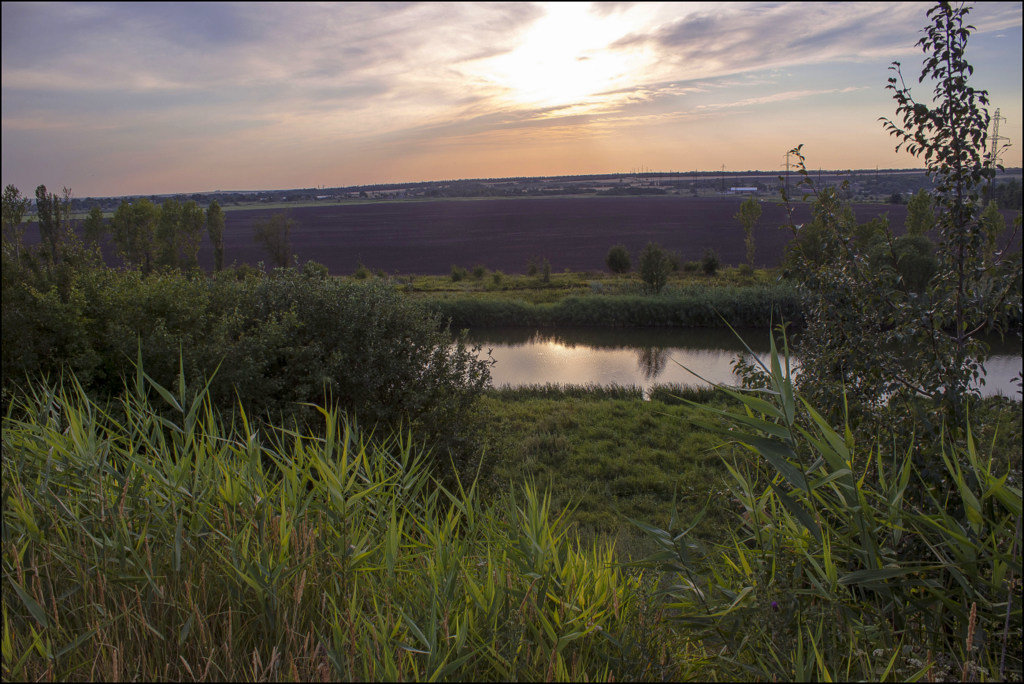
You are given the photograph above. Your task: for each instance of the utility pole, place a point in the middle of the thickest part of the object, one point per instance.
(787, 174)
(723, 177)
(995, 150)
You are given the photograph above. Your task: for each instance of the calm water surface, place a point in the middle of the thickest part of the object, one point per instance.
(646, 357)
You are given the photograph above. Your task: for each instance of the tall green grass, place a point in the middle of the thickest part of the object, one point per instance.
(170, 545)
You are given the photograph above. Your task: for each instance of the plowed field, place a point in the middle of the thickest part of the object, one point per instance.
(574, 233)
(429, 237)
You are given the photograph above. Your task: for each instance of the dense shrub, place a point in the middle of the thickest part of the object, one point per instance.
(618, 259)
(709, 263)
(458, 273)
(275, 341)
(479, 271)
(655, 265)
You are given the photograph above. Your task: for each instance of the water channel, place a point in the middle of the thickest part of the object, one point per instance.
(654, 356)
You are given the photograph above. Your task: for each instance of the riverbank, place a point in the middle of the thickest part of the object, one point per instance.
(479, 298)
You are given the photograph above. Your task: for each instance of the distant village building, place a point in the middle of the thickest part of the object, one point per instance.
(742, 189)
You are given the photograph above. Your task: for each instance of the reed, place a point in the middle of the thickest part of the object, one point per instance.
(171, 544)
(694, 306)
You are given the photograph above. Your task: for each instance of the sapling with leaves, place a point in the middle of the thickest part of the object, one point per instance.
(887, 321)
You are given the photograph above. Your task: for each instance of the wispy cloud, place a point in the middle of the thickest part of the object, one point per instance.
(332, 86)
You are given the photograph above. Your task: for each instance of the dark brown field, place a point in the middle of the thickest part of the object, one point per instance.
(504, 234)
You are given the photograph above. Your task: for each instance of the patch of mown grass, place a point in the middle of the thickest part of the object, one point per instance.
(608, 459)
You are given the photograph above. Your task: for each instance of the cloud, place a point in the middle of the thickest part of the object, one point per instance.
(298, 81)
(777, 97)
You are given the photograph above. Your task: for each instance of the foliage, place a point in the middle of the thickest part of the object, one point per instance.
(215, 228)
(617, 260)
(920, 217)
(832, 573)
(94, 228)
(277, 341)
(748, 216)
(709, 263)
(162, 542)
(993, 225)
(951, 138)
(479, 271)
(49, 210)
(14, 208)
(458, 273)
(888, 319)
(655, 266)
(1007, 195)
(134, 232)
(274, 235)
(708, 307)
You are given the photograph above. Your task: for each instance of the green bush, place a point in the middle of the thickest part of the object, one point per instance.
(361, 272)
(618, 259)
(277, 342)
(458, 273)
(479, 271)
(655, 266)
(709, 262)
(314, 270)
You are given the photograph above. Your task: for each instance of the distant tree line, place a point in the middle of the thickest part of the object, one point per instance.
(145, 235)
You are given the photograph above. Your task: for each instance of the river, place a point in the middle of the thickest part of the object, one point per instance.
(646, 357)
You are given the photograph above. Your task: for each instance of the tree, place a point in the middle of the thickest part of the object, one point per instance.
(190, 227)
(215, 226)
(167, 233)
(618, 259)
(748, 216)
(48, 218)
(14, 207)
(94, 226)
(274, 235)
(133, 230)
(951, 137)
(888, 318)
(920, 217)
(655, 265)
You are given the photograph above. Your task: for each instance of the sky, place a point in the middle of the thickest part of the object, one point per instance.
(151, 98)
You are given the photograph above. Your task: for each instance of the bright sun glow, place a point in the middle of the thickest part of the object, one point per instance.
(562, 59)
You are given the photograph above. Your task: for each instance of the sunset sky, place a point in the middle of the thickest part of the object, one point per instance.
(122, 98)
